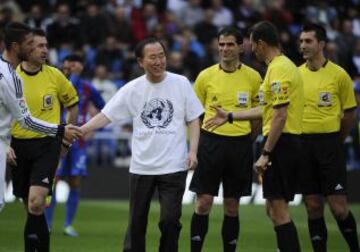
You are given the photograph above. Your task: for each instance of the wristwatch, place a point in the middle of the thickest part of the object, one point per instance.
(230, 117)
(265, 152)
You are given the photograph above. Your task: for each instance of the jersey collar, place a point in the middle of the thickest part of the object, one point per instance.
(323, 65)
(30, 73)
(238, 67)
(1, 57)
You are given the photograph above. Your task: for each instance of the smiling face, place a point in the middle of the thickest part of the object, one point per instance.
(153, 61)
(229, 49)
(310, 46)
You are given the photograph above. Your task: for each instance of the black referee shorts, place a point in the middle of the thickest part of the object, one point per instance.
(37, 160)
(225, 159)
(324, 167)
(280, 180)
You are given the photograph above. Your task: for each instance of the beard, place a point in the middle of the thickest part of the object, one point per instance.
(23, 56)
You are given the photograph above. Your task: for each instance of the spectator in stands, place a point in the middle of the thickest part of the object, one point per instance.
(65, 30)
(192, 13)
(94, 26)
(103, 84)
(205, 30)
(222, 15)
(246, 15)
(36, 18)
(111, 56)
(144, 20)
(120, 26)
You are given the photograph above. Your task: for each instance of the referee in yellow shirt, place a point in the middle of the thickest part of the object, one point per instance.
(224, 155)
(46, 89)
(328, 117)
(282, 104)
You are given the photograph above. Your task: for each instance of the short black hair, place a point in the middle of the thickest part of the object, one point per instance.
(74, 58)
(39, 32)
(139, 48)
(231, 31)
(266, 32)
(320, 32)
(15, 32)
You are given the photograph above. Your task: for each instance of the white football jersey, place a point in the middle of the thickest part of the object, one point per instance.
(13, 105)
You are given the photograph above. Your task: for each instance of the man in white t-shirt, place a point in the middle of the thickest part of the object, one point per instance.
(161, 105)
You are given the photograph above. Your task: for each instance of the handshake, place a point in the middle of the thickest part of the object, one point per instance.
(71, 134)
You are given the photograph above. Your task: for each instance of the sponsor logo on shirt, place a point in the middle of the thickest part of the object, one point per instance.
(157, 113)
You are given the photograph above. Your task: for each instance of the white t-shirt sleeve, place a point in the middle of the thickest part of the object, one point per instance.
(16, 105)
(193, 105)
(117, 108)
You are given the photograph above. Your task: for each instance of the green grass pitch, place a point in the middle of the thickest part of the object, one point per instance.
(102, 225)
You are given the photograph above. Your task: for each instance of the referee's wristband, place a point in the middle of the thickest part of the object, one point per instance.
(60, 131)
(230, 117)
(265, 152)
(67, 146)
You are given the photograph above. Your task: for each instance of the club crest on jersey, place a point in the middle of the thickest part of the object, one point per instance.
(22, 105)
(48, 101)
(157, 113)
(242, 99)
(325, 99)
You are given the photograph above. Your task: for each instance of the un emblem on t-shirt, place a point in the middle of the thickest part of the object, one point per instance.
(157, 113)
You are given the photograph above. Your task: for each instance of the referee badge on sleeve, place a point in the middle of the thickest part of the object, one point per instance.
(276, 87)
(262, 98)
(325, 99)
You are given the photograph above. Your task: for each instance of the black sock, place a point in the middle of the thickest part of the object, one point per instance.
(318, 234)
(230, 233)
(36, 234)
(199, 228)
(348, 230)
(287, 238)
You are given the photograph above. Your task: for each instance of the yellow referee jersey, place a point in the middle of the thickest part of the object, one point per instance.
(233, 91)
(282, 85)
(44, 92)
(328, 91)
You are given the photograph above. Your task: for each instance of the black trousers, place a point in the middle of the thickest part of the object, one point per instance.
(142, 187)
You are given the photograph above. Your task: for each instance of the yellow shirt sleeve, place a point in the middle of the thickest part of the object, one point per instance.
(279, 87)
(346, 92)
(67, 92)
(255, 100)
